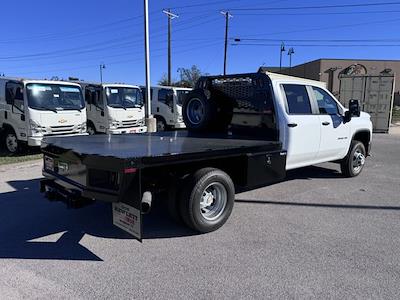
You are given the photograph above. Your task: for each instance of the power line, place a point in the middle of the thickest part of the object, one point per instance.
(329, 27)
(318, 45)
(319, 13)
(320, 7)
(317, 40)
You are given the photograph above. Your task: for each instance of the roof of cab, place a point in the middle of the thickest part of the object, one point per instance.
(292, 79)
(39, 81)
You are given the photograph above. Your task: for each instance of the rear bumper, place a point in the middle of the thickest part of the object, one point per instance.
(36, 141)
(140, 129)
(60, 188)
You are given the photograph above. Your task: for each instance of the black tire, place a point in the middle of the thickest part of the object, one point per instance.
(11, 142)
(91, 129)
(161, 124)
(199, 113)
(197, 185)
(353, 163)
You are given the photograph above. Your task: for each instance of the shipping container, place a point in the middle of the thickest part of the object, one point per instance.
(375, 94)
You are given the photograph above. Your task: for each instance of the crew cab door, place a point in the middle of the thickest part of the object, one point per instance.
(302, 128)
(16, 116)
(95, 108)
(335, 132)
(165, 105)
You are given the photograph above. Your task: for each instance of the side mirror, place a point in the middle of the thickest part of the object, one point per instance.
(354, 108)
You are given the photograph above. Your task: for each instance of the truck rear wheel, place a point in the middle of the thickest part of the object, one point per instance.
(207, 200)
(11, 141)
(353, 163)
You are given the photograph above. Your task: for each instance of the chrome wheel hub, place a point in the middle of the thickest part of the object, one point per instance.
(358, 160)
(213, 201)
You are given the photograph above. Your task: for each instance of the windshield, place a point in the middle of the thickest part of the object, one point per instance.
(122, 97)
(54, 97)
(181, 96)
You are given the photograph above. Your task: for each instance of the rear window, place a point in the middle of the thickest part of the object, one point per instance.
(297, 98)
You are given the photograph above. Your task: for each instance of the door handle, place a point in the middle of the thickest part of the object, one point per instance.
(291, 125)
(326, 123)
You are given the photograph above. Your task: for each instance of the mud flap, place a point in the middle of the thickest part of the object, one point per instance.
(127, 214)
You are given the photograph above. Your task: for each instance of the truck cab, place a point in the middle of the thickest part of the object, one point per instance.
(166, 106)
(32, 109)
(114, 108)
(314, 126)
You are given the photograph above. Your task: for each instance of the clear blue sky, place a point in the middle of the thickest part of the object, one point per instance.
(46, 38)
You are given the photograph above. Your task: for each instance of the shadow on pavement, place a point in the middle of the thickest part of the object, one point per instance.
(25, 216)
(313, 172)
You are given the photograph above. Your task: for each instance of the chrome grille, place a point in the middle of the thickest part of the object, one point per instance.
(130, 123)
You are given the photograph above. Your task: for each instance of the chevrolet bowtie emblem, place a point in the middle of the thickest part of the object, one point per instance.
(62, 121)
(130, 117)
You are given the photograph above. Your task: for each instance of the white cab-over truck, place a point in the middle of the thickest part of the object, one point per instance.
(32, 109)
(244, 131)
(114, 108)
(166, 106)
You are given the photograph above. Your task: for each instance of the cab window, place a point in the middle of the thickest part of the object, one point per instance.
(14, 95)
(326, 104)
(297, 99)
(166, 96)
(94, 96)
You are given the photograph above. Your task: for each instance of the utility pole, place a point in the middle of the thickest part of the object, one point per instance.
(150, 121)
(101, 67)
(290, 53)
(227, 17)
(280, 58)
(170, 16)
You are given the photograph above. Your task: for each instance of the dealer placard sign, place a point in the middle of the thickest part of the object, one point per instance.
(127, 218)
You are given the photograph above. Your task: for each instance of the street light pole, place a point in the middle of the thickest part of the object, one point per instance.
(280, 58)
(150, 121)
(290, 53)
(101, 67)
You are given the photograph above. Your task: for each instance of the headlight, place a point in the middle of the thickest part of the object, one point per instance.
(113, 124)
(34, 125)
(36, 128)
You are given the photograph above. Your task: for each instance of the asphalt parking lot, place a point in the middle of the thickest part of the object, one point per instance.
(316, 235)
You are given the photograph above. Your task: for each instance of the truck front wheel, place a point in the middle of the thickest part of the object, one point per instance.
(207, 200)
(11, 142)
(353, 163)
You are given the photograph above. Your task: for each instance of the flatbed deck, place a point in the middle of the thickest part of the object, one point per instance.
(166, 145)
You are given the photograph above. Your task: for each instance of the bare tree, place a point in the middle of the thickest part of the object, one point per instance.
(188, 77)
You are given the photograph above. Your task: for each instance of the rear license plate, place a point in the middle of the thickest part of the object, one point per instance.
(127, 218)
(49, 163)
